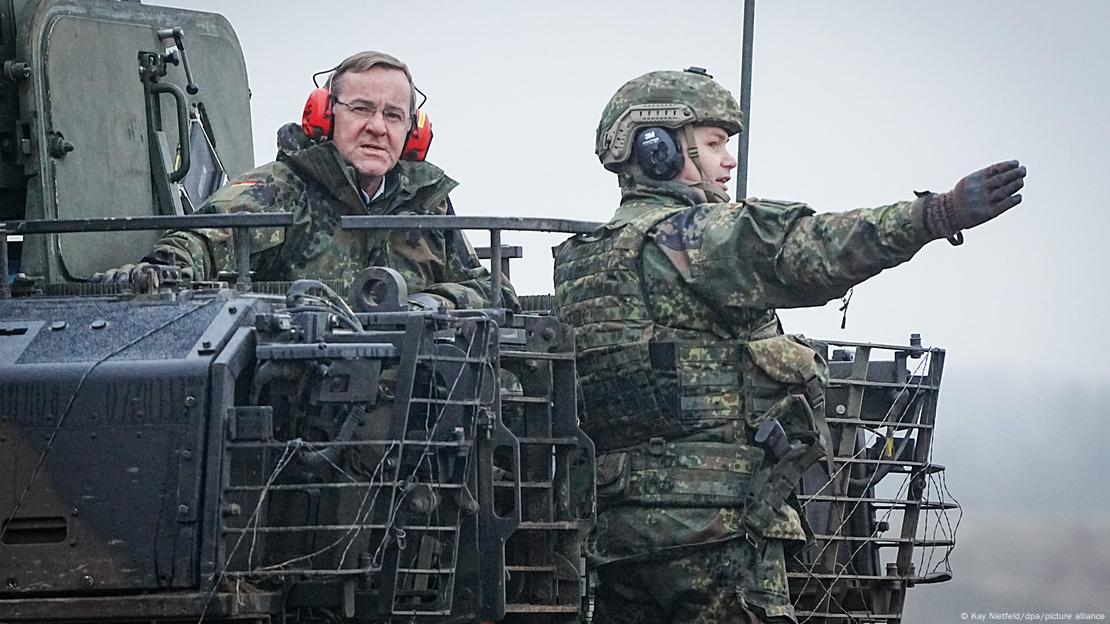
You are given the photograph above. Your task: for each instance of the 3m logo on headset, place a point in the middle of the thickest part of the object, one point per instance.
(657, 151)
(318, 123)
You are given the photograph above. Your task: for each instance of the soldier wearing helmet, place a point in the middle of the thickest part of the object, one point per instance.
(681, 356)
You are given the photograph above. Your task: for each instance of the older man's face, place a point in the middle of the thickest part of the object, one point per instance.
(371, 121)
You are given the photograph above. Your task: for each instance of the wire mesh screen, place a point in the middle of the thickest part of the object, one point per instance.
(379, 494)
(461, 488)
(879, 509)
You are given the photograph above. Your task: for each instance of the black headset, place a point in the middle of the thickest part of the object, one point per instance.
(657, 152)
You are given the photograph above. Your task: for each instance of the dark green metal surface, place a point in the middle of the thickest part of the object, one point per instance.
(81, 132)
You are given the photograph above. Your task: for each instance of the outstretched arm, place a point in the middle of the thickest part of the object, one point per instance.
(827, 254)
(760, 254)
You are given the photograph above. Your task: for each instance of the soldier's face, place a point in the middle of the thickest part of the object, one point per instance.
(716, 161)
(372, 120)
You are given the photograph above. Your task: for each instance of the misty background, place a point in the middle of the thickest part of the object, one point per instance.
(854, 104)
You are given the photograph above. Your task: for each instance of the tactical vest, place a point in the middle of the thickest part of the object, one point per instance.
(654, 360)
(663, 374)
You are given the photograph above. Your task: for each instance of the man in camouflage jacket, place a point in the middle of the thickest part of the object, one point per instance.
(681, 355)
(355, 171)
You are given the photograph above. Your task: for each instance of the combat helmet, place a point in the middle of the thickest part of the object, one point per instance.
(669, 99)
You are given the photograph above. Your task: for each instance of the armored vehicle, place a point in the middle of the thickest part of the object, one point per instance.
(239, 450)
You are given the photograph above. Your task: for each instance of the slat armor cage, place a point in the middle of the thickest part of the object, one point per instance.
(466, 488)
(881, 520)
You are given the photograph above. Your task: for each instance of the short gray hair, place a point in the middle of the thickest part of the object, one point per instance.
(363, 61)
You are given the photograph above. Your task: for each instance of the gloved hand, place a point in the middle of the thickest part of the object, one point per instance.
(144, 276)
(977, 198)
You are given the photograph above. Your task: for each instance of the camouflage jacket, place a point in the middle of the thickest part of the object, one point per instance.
(709, 276)
(755, 255)
(315, 184)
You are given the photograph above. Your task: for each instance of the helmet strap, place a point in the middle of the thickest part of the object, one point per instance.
(713, 193)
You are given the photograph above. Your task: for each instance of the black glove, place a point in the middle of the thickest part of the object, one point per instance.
(977, 198)
(144, 276)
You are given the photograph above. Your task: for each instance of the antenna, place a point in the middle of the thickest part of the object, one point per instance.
(745, 98)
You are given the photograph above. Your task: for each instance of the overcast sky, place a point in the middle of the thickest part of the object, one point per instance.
(855, 104)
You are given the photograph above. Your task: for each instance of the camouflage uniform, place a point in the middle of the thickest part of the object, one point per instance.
(313, 182)
(680, 357)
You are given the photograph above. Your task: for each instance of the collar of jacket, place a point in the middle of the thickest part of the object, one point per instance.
(406, 180)
(322, 163)
(636, 197)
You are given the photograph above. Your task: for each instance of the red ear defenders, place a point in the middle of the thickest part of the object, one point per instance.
(318, 118)
(419, 139)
